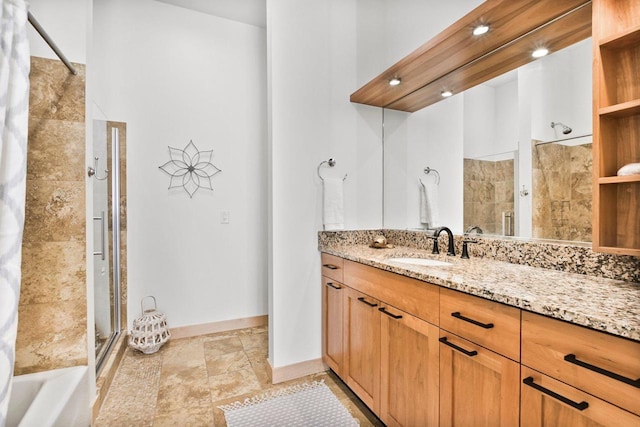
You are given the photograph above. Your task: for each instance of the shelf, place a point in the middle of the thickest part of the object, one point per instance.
(625, 109)
(616, 122)
(456, 58)
(618, 179)
(622, 39)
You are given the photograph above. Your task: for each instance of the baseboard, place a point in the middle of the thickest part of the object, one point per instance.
(297, 370)
(215, 327)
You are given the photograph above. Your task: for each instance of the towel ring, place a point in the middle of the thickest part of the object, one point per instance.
(428, 170)
(331, 162)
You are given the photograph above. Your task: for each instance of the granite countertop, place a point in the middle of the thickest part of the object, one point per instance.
(602, 304)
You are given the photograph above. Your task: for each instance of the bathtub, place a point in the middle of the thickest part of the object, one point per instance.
(58, 398)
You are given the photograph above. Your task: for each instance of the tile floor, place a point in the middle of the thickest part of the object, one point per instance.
(184, 383)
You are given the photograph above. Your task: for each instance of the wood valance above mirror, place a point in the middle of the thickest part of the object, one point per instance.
(457, 60)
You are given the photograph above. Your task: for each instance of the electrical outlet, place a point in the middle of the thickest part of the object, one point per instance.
(224, 218)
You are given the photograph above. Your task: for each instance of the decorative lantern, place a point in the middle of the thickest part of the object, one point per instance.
(150, 330)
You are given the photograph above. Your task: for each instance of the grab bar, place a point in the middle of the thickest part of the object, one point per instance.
(102, 245)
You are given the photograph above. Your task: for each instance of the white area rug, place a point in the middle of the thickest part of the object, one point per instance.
(305, 405)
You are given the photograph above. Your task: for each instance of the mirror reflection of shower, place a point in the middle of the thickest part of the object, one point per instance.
(107, 233)
(566, 130)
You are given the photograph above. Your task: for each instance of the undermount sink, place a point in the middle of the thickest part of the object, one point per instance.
(425, 262)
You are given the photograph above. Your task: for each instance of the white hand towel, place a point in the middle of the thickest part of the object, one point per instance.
(333, 205)
(429, 210)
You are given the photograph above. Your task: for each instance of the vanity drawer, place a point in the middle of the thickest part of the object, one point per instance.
(413, 296)
(490, 324)
(546, 401)
(596, 362)
(332, 267)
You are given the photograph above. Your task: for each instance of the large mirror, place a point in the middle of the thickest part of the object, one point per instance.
(502, 166)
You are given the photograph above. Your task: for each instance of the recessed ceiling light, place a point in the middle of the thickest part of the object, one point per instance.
(446, 93)
(394, 81)
(540, 52)
(480, 29)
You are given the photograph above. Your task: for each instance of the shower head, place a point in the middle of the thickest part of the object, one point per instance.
(565, 129)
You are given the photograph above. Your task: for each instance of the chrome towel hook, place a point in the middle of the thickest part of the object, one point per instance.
(331, 162)
(93, 171)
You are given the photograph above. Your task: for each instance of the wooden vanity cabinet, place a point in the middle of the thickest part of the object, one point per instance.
(361, 370)
(490, 324)
(421, 355)
(332, 324)
(604, 366)
(390, 356)
(332, 311)
(477, 386)
(549, 402)
(479, 354)
(409, 385)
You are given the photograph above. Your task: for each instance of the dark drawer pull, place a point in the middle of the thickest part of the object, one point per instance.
(457, 315)
(331, 285)
(472, 353)
(370, 304)
(395, 316)
(579, 406)
(571, 358)
(330, 266)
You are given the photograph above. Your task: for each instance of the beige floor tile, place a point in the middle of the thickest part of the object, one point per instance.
(257, 354)
(185, 419)
(183, 388)
(217, 336)
(226, 363)
(254, 341)
(233, 384)
(223, 345)
(183, 349)
(131, 399)
(263, 373)
(185, 382)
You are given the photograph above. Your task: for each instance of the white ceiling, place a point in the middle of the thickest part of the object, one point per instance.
(252, 12)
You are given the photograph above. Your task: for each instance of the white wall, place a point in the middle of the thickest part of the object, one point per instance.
(174, 75)
(67, 23)
(312, 71)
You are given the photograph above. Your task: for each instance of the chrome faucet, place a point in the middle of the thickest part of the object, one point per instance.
(451, 250)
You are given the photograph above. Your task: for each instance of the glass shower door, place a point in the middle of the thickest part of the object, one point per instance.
(106, 228)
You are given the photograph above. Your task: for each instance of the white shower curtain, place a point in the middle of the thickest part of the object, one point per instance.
(14, 114)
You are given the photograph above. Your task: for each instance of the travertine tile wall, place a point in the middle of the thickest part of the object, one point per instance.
(52, 322)
(562, 192)
(488, 192)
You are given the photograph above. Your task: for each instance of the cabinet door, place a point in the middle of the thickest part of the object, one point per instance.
(409, 370)
(547, 402)
(477, 386)
(332, 323)
(362, 347)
